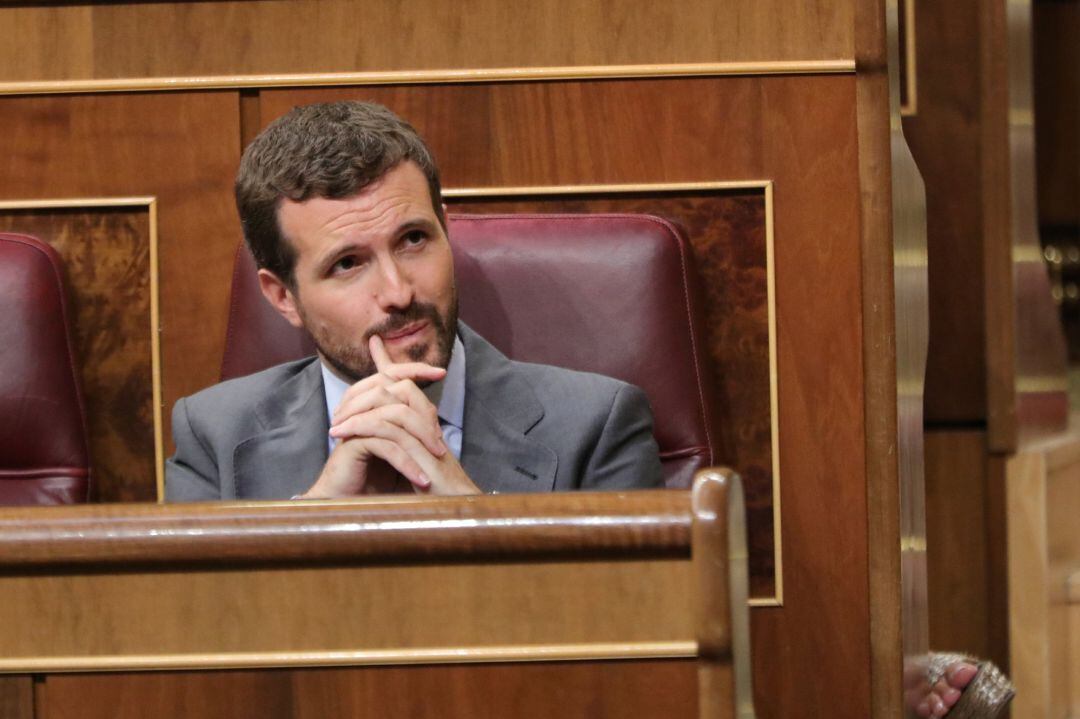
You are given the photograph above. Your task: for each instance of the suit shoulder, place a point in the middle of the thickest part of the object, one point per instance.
(574, 385)
(233, 395)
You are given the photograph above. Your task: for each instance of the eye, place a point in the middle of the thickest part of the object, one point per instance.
(344, 264)
(414, 238)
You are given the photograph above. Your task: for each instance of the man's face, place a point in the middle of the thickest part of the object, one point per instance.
(375, 263)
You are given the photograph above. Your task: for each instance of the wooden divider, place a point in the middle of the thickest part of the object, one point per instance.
(656, 578)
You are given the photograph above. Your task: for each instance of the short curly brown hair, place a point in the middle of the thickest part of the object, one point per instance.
(330, 150)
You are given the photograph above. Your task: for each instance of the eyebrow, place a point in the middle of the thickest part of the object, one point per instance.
(416, 223)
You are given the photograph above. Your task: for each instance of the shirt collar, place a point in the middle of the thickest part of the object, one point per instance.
(448, 394)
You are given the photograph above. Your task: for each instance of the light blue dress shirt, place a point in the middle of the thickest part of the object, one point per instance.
(448, 395)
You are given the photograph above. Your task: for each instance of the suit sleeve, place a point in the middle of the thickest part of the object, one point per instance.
(626, 455)
(191, 475)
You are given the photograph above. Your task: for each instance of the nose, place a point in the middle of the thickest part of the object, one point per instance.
(395, 289)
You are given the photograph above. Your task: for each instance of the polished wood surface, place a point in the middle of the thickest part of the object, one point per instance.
(600, 690)
(749, 128)
(958, 551)
(959, 141)
(106, 256)
(124, 40)
(1057, 111)
(393, 527)
(879, 332)
(1043, 491)
(1041, 383)
(727, 233)
(644, 594)
(181, 148)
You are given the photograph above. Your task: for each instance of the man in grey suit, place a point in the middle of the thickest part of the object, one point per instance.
(341, 207)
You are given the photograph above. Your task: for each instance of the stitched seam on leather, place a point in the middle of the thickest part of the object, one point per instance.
(672, 234)
(32, 243)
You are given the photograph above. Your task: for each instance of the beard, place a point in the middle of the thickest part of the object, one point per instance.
(353, 361)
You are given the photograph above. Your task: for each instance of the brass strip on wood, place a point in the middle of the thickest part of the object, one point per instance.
(422, 77)
(385, 657)
(150, 204)
(766, 186)
(909, 57)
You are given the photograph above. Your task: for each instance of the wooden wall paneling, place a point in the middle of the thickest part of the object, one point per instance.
(107, 273)
(959, 142)
(17, 697)
(182, 149)
(604, 690)
(1043, 491)
(958, 552)
(1041, 384)
(135, 39)
(1057, 111)
(512, 135)
(894, 350)
(727, 229)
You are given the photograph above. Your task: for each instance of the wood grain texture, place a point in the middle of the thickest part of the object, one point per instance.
(59, 41)
(958, 553)
(106, 255)
(800, 133)
(884, 488)
(726, 230)
(601, 690)
(181, 148)
(958, 139)
(1043, 491)
(400, 528)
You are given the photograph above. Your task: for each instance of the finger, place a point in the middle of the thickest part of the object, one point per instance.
(408, 393)
(392, 422)
(937, 707)
(949, 695)
(360, 402)
(397, 457)
(960, 674)
(414, 371)
(379, 355)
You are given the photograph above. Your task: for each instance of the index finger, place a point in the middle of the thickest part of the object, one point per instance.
(379, 355)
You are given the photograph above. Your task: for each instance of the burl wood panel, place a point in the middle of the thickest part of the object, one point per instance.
(727, 232)
(106, 256)
(658, 689)
(182, 148)
(799, 132)
(136, 39)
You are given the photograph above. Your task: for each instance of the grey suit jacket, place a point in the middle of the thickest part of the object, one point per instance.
(527, 428)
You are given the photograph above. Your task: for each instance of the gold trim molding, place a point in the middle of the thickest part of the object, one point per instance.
(766, 187)
(150, 205)
(373, 657)
(422, 77)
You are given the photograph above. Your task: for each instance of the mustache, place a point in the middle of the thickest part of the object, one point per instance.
(400, 318)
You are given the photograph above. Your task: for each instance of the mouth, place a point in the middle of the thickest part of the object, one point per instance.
(405, 333)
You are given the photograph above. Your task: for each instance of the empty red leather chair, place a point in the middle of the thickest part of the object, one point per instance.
(43, 451)
(611, 293)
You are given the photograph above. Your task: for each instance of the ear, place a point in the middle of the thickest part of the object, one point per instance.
(278, 294)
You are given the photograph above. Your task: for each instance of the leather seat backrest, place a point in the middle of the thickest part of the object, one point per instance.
(608, 293)
(43, 448)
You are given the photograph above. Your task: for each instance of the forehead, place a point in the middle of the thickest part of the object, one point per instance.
(400, 196)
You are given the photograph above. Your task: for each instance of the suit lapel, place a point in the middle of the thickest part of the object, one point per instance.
(286, 457)
(500, 409)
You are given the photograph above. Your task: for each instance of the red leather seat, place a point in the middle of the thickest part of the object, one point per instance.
(613, 294)
(43, 450)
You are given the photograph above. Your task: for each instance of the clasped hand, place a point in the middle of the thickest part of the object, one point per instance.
(388, 427)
